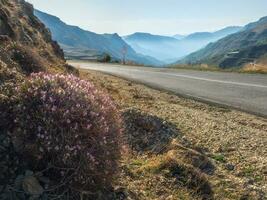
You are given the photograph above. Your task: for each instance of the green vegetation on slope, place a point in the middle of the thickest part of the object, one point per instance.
(235, 50)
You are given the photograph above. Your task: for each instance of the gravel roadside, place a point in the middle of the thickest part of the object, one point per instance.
(236, 142)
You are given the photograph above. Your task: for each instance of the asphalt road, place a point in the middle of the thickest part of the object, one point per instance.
(246, 92)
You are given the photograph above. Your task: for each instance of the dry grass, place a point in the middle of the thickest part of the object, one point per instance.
(258, 68)
(227, 147)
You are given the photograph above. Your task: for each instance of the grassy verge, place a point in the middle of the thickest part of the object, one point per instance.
(247, 69)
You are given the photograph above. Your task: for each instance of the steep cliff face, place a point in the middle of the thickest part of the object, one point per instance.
(25, 43)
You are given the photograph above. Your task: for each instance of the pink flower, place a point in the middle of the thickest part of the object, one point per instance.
(62, 173)
(54, 108)
(84, 113)
(72, 120)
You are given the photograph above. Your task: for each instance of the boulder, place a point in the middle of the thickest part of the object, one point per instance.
(32, 186)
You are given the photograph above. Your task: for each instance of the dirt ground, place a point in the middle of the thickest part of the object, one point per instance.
(183, 149)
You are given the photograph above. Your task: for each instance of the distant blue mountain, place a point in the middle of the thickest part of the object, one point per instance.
(249, 45)
(169, 49)
(82, 44)
(179, 36)
(147, 37)
(199, 36)
(213, 36)
(163, 48)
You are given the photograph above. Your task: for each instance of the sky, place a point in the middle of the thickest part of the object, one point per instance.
(164, 17)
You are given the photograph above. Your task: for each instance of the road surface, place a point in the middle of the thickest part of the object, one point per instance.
(246, 92)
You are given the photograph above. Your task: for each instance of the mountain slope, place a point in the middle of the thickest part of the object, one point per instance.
(25, 44)
(234, 50)
(169, 49)
(163, 48)
(198, 40)
(179, 36)
(76, 41)
(147, 37)
(213, 36)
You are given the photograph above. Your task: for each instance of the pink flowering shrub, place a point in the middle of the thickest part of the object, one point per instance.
(68, 129)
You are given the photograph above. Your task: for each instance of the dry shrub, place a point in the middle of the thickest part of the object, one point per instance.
(189, 177)
(147, 133)
(7, 74)
(191, 156)
(185, 175)
(5, 115)
(29, 60)
(68, 130)
(259, 68)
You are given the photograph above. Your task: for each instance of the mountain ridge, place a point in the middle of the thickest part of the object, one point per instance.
(235, 50)
(216, 34)
(73, 39)
(169, 49)
(148, 36)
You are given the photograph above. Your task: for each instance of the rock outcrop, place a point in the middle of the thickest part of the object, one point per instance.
(26, 45)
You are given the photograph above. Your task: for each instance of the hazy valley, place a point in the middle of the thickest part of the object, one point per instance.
(170, 49)
(82, 44)
(230, 47)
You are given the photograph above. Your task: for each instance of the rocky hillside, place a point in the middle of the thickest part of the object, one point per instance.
(25, 44)
(247, 46)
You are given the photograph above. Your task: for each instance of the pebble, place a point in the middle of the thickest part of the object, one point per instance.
(230, 167)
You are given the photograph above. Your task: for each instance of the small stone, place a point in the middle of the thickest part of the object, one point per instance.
(2, 149)
(248, 182)
(31, 186)
(169, 197)
(28, 173)
(1, 188)
(6, 143)
(230, 167)
(18, 182)
(43, 179)
(2, 137)
(18, 145)
(121, 193)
